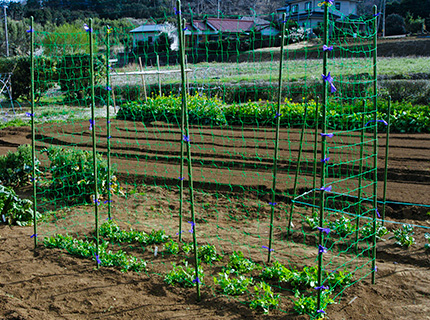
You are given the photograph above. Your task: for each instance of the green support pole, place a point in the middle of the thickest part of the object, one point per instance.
(278, 124)
(296, 178)
(33, 134)
(186, 138)
(93, 132)
(108, 132)
(360, 180)
(323, 163)
(181, 169)
(375, 144)
(387, 143)
(314, 178)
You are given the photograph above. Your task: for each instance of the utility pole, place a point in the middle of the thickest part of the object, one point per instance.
(5, 31)
(218, 8)
(383, 17)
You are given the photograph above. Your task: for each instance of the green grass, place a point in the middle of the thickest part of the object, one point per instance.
(214, 72)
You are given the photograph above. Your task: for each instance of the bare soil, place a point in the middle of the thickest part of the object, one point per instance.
(232, 172)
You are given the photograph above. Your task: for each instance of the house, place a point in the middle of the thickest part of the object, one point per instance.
(309, 13)
(147, 33)
(200, 31)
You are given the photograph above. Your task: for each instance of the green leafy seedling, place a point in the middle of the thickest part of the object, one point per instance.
(404, 236)
(241, 264)
(185, 275)
(264, 298)
(232, 285)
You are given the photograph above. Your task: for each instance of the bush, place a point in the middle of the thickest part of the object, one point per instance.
(73, 174)
(16, 167)
(45, 75)
(395, 25)
(15, 210)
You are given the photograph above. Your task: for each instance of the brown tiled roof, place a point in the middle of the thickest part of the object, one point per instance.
(230, 25)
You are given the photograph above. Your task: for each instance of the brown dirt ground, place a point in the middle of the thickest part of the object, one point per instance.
(50, 284)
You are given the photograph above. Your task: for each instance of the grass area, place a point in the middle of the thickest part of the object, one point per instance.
(214, 72)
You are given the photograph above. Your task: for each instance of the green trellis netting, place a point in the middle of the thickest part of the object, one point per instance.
(199, 141)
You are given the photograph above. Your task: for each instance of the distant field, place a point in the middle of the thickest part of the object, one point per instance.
(398, 68)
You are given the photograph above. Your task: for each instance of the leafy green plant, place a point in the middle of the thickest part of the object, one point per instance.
(427, 237)
(185, 275)
(308, 304)
(240, 264)
(307, 278)
(277, 271)
(208, 254)
(201, 110)
(232, 285)
(342, 226)
(87, 249)
(264, 297)
(113, 232)
(16, 168)
(314, 222)
(171, 247)
(14, 210)
(404, 236)
(73, 174)
(187, 247)
(381, 231)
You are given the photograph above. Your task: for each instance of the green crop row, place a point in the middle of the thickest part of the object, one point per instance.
(405, 117)
(87, 249)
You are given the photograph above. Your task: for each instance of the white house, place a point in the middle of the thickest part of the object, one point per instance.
(308, 13)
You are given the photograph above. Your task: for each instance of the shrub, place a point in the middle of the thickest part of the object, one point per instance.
(395, 25)
(45, 75)
(16, 167)
(73, 174)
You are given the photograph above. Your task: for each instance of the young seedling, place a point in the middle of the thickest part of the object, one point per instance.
(233, 285)
(404, 236)
(264, 298)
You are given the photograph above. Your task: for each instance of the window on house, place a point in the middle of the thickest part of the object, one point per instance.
(337, 5)
(295, 8)
(308, 6)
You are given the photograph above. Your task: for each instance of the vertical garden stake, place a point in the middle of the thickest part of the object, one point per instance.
(93, 132)
(360, 178)
(108, 133)
(278, 123)
(33, 134)
(323, 163)
(158, 72)
(375, 143)
(299, 162)
(314, 178)
(186, 137)
(387, 143)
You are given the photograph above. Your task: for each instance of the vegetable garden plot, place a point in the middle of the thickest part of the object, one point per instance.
(250, 193)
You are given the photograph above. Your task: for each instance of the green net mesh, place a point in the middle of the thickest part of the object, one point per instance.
(232, 91)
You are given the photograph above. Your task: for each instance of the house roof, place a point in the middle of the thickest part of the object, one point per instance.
(149, 28)
(230, 25)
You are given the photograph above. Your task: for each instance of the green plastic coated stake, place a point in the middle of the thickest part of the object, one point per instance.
(278, 124)
(108, 131)
(375, 144)
(323, 153)
(93, 133)
(186, 137)
(33, 134)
